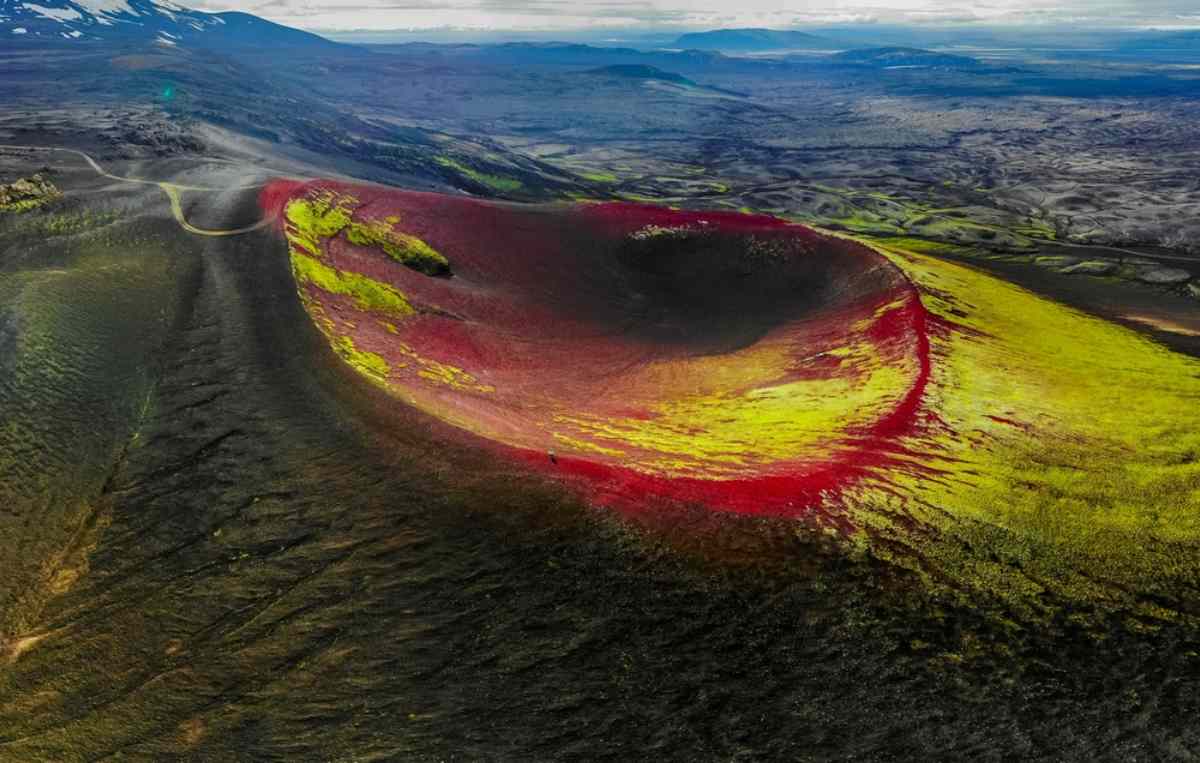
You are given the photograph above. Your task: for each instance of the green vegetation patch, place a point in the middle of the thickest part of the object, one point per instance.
(326, 214)
(1085, 485)
(367, 293)
(369, 363)
(23, 205)
(61, 224)
(920, 245)
(408, 250)
(599, 177)
(495, 182)
(318, 217)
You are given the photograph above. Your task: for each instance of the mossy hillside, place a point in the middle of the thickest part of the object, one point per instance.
(23, 205)
(367, 293)
(370, 364)
(47, 224)
(494, 182)
(875, 213)
(405, 249)
(918, 245)
(323, 214)
(313, 220)
(1064, 454)
(600, 177)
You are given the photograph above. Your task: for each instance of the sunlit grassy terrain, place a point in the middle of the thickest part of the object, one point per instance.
(1067, 450)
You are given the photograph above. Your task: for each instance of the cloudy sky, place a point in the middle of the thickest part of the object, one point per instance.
(618, 14)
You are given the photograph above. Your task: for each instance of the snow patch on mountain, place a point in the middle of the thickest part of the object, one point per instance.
(61, 15)
(164, 22)
(106, 7)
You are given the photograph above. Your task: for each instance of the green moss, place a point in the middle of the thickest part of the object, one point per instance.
(62, 224)
(495, 182)
(369, 363)
(324, 215)
(1085, 483)
(919, 245)
(367, 293)
(1037, 229)
(23, 206)
(408, 250)
(599, 177)
(317, 217)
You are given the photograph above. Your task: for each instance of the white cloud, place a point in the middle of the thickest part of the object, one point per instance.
(585, 14)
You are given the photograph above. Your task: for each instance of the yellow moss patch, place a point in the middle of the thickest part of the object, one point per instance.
(446, 374)
(495, 182)
(368, 363)
(729, 415)
(1070, 455)
(587, 446)
(367, 293)
(24, 205)
(405, 249)
(320, 215)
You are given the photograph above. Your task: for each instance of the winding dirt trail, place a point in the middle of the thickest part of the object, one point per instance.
(172, 190)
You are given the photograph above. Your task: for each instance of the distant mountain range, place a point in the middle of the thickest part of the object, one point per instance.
(749, 40)
(641, 72)
(167, 24)
(161, 22)
(554, 55)
(896, 57)
(1185, 40)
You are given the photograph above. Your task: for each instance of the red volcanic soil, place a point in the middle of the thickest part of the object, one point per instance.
(647, 355)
